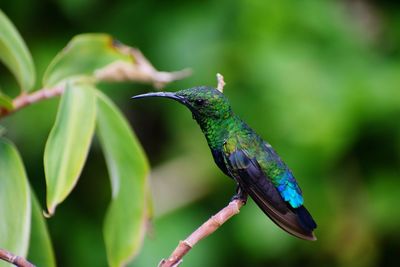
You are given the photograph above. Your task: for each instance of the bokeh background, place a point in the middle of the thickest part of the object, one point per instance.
(320, 80)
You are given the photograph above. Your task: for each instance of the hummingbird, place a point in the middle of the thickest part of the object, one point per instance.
(243, 155)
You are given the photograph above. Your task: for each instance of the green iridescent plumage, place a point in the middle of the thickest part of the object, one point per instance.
(242, 155)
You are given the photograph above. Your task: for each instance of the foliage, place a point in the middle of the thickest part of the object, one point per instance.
(15, 201)
(82, 106)
(15, 54)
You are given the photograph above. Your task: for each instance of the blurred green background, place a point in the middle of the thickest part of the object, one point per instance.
(320, 80)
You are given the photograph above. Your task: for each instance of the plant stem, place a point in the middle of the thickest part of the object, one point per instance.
(209, 227)
(14, 259)
(221, 82)
(25, 99)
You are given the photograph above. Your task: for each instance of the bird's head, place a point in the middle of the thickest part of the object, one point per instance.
(203, 101)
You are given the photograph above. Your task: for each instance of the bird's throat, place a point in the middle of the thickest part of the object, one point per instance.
(217, 131)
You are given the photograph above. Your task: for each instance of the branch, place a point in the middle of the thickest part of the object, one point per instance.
(140, 71)
(25, 99)
(221, 83)
(203, 231)
(14, 259)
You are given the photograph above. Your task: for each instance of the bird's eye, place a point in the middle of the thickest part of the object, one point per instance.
(199, 102)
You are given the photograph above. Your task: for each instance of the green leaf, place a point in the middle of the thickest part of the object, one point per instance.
(15, 55)
(125, 222)
(40, 249)
(69, 141)
(5, 102)
(15, 202)
(83, 55)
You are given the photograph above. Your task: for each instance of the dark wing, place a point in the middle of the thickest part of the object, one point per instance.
(251, 178)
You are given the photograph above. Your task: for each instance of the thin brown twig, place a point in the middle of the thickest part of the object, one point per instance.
(25, 99)
(14, 259)
(140, 71)
(207, 228)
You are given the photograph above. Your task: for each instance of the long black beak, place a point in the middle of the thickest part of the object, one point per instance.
(162, 94)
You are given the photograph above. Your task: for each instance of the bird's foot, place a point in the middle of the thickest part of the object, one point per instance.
(240, 195)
